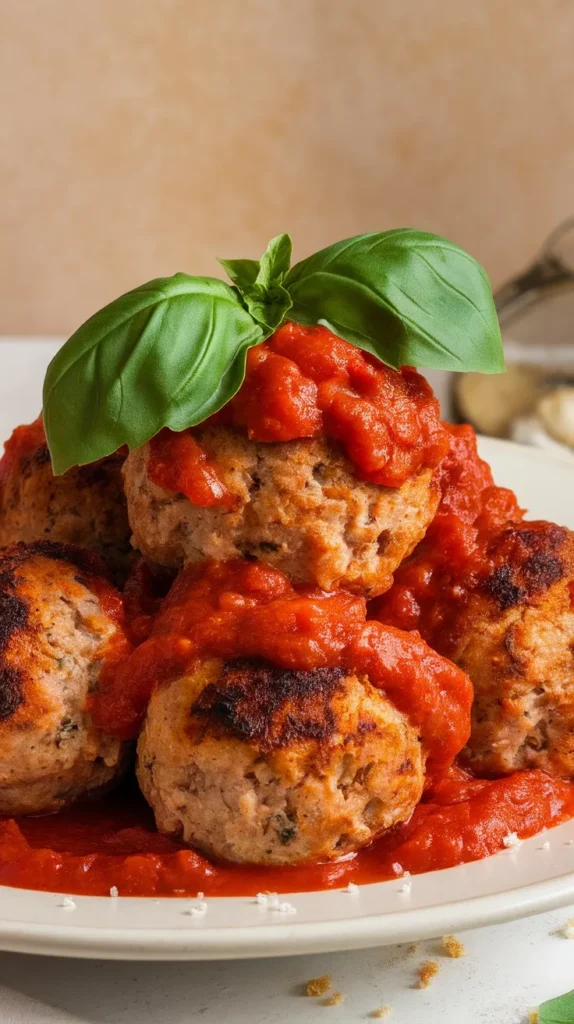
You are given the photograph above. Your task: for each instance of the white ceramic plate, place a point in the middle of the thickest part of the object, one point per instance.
(512, 884)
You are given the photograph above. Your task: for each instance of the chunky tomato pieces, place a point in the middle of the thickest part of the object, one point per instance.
(431, 587)
(307, 382)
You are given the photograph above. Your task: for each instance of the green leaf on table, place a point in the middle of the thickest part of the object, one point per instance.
(557, 1011)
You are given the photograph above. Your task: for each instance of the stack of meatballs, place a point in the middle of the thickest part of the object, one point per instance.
(246, 754)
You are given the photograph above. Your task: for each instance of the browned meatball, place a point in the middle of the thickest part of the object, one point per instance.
(300, 509)
(54, 634)
(516, 641)
(256, 764)
(86, 506)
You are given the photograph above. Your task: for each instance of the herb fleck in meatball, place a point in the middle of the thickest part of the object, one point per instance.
(256, 764)
(86, 506)
(296, 505)
(56, 632)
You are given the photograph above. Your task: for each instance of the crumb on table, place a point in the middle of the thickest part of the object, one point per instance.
(380, 1012)
(318, 986)
(533, 1017)
(453, 947)
(568, 929)
(427, 971)
(335, 999)
(413, 947)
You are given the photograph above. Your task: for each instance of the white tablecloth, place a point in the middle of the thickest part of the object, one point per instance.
(508, 969)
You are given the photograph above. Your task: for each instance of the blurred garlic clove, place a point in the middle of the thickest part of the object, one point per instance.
(555, 411)
(492, 403)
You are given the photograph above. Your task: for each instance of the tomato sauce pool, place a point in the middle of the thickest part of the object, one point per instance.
(92, 848)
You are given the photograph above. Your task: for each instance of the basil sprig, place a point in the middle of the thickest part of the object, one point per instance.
(260, 282)
(173, 352)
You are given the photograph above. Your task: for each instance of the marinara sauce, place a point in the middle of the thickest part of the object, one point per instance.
(431, 587)
(306, 382)
(88, 849)
(22, 443)
(245, 609)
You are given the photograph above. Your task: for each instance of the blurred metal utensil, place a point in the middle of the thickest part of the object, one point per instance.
(536, 313)
(551, 272)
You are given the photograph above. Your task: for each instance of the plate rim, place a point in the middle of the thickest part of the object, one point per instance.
(273, 940)
(296, 939)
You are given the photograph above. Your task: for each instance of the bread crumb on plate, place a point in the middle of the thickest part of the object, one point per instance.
(380, 1012)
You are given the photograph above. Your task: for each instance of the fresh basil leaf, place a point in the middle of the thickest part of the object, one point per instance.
(243, 273)
(557, 1011)
(173, 352)
(259, 282)
(275, 262)
(167, 354)
(268, 307)
(405, 296)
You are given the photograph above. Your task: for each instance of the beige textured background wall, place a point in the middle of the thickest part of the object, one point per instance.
(140, 137)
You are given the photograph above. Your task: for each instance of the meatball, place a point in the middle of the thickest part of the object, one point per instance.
(516, 642)
(85, 506)
(300, 508)
(256, 764)
(55, 635)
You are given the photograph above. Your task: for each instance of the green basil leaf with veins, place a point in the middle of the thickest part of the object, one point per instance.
(275, 262)
(557, 1011)
(167, 354)
(405, 296)
(243, 273)
(260, 282)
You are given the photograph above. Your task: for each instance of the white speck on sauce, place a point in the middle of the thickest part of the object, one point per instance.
(511, 841)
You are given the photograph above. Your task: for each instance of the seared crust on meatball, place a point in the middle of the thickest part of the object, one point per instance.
(300, 509)
(86, 506)
(53, 636)
(516, 641)
(255, 764)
